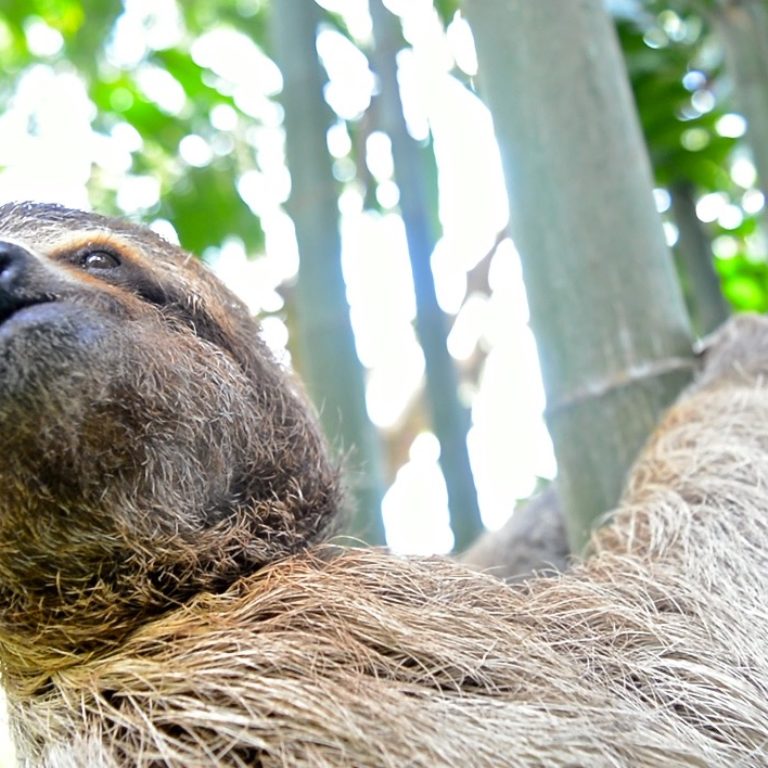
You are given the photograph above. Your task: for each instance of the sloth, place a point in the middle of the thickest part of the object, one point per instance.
(170, 594)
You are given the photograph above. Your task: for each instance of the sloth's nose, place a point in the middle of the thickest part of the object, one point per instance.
(14, 264)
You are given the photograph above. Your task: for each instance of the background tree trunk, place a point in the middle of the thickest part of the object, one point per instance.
(332, 369)
(705, 299)
(743, 29)
(450, 418)
(606, 308)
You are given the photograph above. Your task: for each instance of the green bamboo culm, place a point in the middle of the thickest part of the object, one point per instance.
(613, 335)
(332, 370)
(450, 418)
(742, 26)
(706, 302)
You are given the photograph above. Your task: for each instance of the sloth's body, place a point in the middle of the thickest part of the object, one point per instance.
(164, 600)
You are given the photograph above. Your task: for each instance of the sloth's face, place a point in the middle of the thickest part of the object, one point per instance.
(121, 361)
(150, 444)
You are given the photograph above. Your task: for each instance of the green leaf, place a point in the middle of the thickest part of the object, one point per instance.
(205, 209)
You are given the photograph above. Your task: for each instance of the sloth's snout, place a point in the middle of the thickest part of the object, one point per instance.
(16, 268)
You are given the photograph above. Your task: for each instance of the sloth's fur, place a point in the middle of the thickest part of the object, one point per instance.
(163, 600)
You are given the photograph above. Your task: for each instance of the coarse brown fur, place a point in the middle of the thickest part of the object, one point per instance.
(160, 481)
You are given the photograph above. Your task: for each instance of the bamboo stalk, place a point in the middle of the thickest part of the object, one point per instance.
(333, 371)
(606, 308)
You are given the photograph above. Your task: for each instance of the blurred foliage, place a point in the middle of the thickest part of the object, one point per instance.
(666, 113)
(682, 90)
(202, 202)
(83, 26)
(447, 9)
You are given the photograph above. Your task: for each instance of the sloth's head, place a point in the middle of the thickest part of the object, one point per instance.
(150, 444)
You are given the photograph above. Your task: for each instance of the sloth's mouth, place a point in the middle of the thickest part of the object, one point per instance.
(21, 312)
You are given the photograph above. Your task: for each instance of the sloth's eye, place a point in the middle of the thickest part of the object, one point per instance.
(99, 260)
